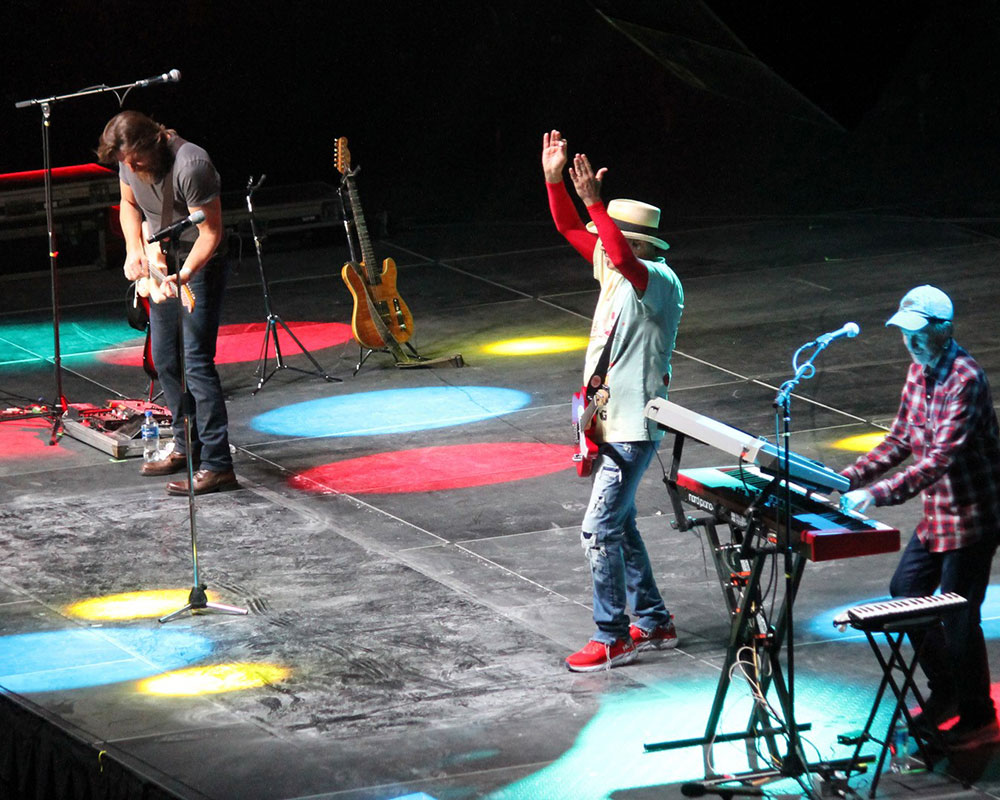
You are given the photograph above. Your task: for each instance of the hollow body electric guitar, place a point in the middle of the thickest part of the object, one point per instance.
(380, 319)
(584, 422)
(157, 260)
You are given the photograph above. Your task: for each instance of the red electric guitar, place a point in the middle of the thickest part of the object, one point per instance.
(584, 414)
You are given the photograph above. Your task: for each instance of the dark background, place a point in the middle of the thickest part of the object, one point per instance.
(723, 106)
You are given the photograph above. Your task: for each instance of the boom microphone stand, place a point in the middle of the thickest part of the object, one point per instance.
(273, 320)
(60, 406)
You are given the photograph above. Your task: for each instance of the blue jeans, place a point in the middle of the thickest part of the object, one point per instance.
(204, 399)
(954, 656)
(619, 565)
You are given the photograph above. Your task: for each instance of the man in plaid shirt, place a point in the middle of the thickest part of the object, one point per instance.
(946, 421)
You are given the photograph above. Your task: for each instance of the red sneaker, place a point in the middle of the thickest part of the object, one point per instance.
(662, 637)
(598, 655)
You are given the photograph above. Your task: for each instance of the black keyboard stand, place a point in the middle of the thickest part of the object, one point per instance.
(896, 662)
(741, 565)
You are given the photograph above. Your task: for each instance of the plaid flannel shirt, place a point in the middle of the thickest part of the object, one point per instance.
(946, 421)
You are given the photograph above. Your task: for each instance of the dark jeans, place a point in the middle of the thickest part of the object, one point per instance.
(954, 657)
(205, 401)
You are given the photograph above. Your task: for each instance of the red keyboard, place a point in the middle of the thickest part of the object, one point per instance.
(822, 532)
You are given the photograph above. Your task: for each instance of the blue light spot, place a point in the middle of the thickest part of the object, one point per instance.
(678, 709)
(72, 659)
(391, 411)
(822, 624)
(414, 796)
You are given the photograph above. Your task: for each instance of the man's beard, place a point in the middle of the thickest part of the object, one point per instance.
(146, 176)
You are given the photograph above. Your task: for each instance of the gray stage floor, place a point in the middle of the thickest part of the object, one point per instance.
(423, 633)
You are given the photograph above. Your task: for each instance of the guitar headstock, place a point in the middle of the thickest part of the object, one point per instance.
(342, 160)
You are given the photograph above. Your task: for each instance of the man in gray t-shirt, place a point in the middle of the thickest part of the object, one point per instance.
(164, 179)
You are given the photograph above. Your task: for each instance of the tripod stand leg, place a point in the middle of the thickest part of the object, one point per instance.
(198, 603)
(319, 370)
(273, 320)
(261, 371)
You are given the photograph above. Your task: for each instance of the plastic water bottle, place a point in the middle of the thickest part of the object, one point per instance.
(150, 438)
(900, 749)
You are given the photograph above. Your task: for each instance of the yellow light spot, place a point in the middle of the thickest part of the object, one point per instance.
(861, 443)
(214, 679)
(536, 345)
(133, 605)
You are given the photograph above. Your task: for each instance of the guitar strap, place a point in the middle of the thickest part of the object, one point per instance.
(601, 370)
(167, 210)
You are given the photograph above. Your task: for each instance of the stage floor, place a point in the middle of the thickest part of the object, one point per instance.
(406, 541)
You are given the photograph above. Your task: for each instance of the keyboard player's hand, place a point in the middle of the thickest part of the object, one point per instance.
(857, 500)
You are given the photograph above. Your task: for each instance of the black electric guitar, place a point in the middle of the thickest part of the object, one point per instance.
(380, 319)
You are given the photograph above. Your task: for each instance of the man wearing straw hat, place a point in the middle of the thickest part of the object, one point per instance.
(638, 311)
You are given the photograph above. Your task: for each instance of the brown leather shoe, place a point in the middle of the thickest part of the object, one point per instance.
(205, 482)
(174, 462)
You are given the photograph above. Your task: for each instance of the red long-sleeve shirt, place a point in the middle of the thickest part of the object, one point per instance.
(569, 224)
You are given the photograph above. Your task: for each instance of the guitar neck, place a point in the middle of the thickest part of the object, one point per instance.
(364, 241)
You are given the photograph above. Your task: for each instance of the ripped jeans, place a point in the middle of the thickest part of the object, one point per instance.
(619, 565)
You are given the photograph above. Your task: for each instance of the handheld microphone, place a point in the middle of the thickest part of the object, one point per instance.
(167, 77)
(849, 329)
(164, 233)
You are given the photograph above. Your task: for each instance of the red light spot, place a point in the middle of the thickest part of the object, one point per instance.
(429, 469)
(29, 438)
(239, 343)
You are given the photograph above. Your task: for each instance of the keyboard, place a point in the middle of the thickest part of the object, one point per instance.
(820, 530)
(744, 446)
(889, 612)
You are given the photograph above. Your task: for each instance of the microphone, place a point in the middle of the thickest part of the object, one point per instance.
(849, 329)
(164, 233)
(726, 792)
(167, 77)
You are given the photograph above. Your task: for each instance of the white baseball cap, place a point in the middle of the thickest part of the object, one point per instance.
(920, 306)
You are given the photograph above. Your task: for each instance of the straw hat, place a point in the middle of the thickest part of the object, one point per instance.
(636, 221)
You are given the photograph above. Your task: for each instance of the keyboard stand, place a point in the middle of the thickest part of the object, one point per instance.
(740, 567)
(894, 634)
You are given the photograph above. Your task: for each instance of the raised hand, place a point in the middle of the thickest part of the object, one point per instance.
(585, 181)
(554, 156)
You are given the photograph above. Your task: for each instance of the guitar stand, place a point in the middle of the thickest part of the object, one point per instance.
(273, 320)
(417, 362)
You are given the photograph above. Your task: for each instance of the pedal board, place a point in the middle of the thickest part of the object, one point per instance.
(115, 428)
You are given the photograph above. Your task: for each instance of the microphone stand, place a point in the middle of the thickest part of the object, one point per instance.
(197, 597)
(794, 764)
(273, 320)
(45, 104)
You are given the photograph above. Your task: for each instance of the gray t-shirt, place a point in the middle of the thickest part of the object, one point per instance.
(195, 181)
